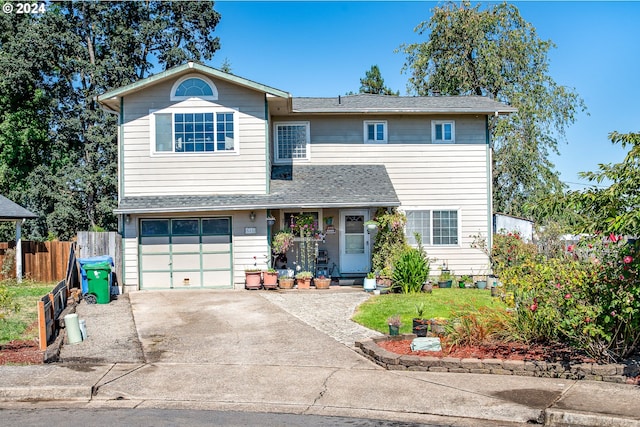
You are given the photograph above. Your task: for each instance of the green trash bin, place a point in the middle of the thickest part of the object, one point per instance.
(98, 278)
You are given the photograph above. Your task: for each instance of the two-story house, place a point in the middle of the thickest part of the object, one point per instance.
(205, 157)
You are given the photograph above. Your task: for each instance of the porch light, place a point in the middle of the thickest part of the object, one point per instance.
(252, 216)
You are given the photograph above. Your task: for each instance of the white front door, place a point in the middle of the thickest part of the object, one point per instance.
(355, 256)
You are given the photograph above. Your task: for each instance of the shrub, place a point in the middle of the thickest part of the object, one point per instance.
(390, 241)
(410, 271)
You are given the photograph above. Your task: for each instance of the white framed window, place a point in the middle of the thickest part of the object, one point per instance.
(292, 141)
(375, 132)
(436, 227)
(203, 130)
(193, 86)
(443, 131)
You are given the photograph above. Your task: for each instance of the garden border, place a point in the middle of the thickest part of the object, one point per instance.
(623, 373)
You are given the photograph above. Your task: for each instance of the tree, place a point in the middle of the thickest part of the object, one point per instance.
(616, 208)
(374, 83)
(493, 52)
(59, 150)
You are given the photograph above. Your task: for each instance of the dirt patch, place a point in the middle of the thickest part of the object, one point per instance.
(21, 352)
(504, 351)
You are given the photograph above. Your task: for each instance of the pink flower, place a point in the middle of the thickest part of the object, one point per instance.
(567, 296)
(613, 313)
(570, 248)
(613, 237)
(533, 307)
(628, 259)
(558, 285)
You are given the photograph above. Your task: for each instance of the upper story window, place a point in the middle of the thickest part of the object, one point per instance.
(292, 140)
(195, 131)
(375, 132)
(194, 87)
(443, 131)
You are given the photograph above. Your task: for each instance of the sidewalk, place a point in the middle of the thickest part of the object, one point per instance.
(230, 350)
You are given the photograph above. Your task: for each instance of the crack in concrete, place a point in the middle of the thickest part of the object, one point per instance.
(325, 388)
(96, 387)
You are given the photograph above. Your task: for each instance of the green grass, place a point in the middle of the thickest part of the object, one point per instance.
(441, 303)
(15, 326)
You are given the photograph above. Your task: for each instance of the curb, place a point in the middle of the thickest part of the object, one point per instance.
(563, 418)
(615, 373)
(46, 393)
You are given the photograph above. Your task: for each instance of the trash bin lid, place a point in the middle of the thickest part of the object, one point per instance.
(98, 266)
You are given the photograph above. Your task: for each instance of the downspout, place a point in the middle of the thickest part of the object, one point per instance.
(267, 147)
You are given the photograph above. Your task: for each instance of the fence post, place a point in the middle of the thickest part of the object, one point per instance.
(42, 325)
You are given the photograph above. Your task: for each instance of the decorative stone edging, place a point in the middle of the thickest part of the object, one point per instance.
(617, 373)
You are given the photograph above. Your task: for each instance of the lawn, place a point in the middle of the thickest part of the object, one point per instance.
(441, 303)
(16, 326)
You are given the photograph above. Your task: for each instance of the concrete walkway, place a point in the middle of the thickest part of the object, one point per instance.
(232, 350)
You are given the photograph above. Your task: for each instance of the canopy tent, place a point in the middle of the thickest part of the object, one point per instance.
(10, 211)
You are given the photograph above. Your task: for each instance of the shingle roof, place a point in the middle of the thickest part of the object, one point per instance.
(298, 186)
(12, 211)
(369, 103)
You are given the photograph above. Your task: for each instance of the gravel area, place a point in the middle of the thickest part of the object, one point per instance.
(111, 335)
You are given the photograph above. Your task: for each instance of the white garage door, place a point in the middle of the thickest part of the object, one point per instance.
(185, 253)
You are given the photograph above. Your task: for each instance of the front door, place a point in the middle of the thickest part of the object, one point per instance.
(355, 255)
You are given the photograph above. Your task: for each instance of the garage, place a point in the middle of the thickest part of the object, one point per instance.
(185, 253)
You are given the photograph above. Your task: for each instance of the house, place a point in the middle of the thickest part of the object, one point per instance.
(205, 157)
(12, 212)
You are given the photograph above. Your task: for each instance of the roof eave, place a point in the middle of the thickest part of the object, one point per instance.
(115, 94)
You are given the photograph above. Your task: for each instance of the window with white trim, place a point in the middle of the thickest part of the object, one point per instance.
(443, 131)
(292, 140)
(194, 87)
(375, 132)
(198, 131)
(436, 227)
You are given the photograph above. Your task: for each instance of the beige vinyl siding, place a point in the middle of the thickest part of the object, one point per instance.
(148, 173)
(431, 177)
(246, 246)
(401, 129)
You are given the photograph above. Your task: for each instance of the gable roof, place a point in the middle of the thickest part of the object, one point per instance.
(370, 103)
(10, 211)
(292, 186)
(112, 97)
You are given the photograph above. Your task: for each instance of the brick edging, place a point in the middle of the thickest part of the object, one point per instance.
(616, 373)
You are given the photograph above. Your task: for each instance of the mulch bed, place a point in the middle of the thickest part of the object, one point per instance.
(504, 351)
(21, 352)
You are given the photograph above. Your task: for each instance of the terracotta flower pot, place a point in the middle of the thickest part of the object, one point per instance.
(304, 283)
(253, 279)
(286, 283)
(270, 280)
(323, 283)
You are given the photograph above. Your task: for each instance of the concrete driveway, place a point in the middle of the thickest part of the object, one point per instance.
(231, 328)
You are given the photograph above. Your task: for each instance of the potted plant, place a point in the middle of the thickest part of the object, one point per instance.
(464, 280)
(420, 325)
(394, 325)
(303, 279)
(270, 279)
(322, 282)
(282, 241)
(445, 279)
(271, 220)
(286, 281)
(253, 278)
(371, 225)
(370, 282)
(383, 280)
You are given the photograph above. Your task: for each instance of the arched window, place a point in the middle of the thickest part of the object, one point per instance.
(194, 87)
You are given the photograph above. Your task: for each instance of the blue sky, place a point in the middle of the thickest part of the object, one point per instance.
(324, 48)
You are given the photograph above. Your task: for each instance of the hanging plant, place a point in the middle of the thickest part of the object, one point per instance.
(282, 241)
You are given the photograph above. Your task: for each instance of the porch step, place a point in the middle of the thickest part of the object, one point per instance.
(351, 282)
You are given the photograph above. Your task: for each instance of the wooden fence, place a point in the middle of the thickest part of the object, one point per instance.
(92, 244)
(41, 261)
(50, 307)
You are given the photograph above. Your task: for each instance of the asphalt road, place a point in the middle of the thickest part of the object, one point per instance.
(171, 417)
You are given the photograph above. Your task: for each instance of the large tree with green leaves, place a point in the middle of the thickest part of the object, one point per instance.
(612, 203)
(374, 83)
(494, 52)
(59, 146)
